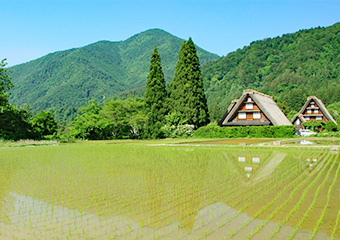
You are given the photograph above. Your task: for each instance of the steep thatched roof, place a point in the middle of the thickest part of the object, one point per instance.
(266, 105)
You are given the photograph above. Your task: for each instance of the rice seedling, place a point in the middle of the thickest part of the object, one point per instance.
(133, 190)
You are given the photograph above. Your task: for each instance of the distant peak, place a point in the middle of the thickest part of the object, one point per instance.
(153, 31)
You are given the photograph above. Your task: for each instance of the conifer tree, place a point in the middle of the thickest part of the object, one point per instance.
(186, 93)
(155, 96)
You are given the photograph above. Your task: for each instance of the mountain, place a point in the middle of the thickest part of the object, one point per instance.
(290, 68)
(99, 71)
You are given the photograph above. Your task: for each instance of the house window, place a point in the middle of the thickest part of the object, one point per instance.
(307, 118)
(256, 115)
(249, 99)
(319, 118)
(256, 160)
(241, 159)
(309, 111)
(249, 106)
(316, 111)
(242, 115)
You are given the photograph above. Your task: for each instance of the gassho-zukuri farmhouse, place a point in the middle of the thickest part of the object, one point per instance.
(254, 109)
(314, 109)
(258, 109)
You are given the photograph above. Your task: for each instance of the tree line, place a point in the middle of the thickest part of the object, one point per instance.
(171, 112)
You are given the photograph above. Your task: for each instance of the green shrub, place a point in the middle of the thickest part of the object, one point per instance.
(330, 126)
(215, 131)
(314, 125)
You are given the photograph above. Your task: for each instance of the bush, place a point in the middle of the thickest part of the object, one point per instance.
(330, 126)
(181, 131)
(328, 134)
(314, 125)
(215, 131)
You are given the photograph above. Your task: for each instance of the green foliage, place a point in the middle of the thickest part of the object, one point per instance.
(176, 126)
(5, 84)
(155, 97)
(216, 112)
(294, 100)
(334, 110)
(5, 80)
(314, 125)
(99, 71)
(64, 115)
(186, 92)
(44, 124)
(215, 131)
(291, 114)
(330, 126)
(117, 119)
(14, 123)
(125, 118)
(175, 118)
(89, 125)
(290, 68)
(328, 134)
(178, 131)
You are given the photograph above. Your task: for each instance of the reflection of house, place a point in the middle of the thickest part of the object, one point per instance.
(249, 164)
(314, 109)
(253, 109)
(253, 165)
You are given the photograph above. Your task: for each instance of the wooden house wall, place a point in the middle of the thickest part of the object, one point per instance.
(249, 112)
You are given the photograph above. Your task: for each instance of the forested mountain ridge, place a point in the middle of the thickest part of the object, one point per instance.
(98, 71)
(290, 68)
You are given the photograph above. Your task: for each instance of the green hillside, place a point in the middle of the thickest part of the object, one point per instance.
(290, 68)
(99, 71)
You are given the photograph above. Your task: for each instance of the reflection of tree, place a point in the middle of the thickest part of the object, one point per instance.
(7, 170)
(189, 174)
(156, 194)
(152, 186)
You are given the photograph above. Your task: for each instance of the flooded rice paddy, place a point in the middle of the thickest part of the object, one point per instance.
(237, 141)
(130, 191)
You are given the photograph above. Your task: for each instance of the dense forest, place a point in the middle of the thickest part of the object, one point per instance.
(290, 68)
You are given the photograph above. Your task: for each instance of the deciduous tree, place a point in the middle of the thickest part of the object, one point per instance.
(5, 83)
(44, 124)
(14, 122)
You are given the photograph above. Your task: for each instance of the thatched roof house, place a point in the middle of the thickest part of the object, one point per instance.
(254, 109)
(314, 109)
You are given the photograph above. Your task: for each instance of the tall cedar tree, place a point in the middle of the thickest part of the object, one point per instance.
(155, 96)
(186, 93)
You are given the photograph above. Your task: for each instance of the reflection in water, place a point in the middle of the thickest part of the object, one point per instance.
(67, 192)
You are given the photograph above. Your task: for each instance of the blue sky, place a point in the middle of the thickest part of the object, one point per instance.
(33, 28)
